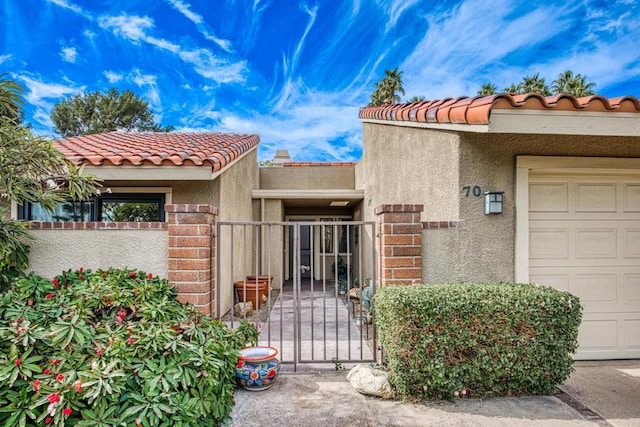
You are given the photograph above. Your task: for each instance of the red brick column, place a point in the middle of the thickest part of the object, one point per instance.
(400, 233)
(192, 254)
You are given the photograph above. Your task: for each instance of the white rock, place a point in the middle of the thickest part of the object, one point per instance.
(243, 308)
(370, 381)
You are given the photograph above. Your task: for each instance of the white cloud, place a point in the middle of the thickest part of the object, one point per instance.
(42, 96)
(65, 4)
(291, 83)
(445, 63)
(130, 27)
(396, 9)
(184, 8)
(4, 58)
(212, 67)
(69, 54)
(200, 24)
(205, 63)
(309, 129)
(112, 76)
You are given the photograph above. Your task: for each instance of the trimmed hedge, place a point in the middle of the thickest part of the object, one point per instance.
(112, 348)
(451, 340)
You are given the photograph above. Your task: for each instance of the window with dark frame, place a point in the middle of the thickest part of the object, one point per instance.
(117, 207)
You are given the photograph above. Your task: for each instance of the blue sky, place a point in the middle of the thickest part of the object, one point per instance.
(297, 73)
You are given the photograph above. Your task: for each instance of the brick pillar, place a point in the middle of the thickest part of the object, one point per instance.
(400, 233)
(192, 254)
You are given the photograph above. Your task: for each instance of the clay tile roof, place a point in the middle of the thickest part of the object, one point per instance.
(303, 164)
(477, 110)
(212, 149)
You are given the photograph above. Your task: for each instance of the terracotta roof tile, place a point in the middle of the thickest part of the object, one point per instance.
(477, 110)
(213, 149)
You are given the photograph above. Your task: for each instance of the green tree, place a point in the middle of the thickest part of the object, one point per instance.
(488, 89)
(387, 88)
(11, 101)
(530, 84)
(417, 99)
(512, 89)
(31, 170)
(573, 85)
(97, 112)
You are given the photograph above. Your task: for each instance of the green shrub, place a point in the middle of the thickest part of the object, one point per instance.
(445, 341)
(112, 348)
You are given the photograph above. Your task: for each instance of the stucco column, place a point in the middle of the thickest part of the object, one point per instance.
(400, 244)
(192, 254)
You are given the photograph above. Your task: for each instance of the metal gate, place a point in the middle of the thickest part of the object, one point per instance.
(312, 282)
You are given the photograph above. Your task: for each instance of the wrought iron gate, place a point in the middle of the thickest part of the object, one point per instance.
(316, 308)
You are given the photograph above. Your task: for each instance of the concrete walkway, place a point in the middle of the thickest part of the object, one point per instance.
(609, 390)
(326, 328)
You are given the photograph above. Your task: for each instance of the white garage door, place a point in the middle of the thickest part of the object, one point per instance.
(584, 237)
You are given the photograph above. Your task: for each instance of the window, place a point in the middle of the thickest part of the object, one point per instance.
(117, 207)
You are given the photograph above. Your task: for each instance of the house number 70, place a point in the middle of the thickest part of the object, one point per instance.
(475, 190)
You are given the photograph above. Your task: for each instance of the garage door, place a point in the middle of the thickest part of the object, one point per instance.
(584, 237)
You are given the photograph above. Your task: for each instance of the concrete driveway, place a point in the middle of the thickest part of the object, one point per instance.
(598, 393)
(611, 389)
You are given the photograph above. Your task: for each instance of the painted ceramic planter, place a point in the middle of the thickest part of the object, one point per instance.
(251, 295)
(257, 368)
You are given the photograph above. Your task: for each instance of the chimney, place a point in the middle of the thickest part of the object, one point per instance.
(282, 156)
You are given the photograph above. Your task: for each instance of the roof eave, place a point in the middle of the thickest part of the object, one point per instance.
(564, 122)
(440, 126)
(205, 172)
(539, 122)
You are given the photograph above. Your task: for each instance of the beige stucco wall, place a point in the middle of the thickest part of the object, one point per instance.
(235, 204)
(410, 165)
(482, 246)
(307, 178)
(273, 238)
(55, 251)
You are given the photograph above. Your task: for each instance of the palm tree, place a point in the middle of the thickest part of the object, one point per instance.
(573, 85)
(512, 89)
(534, 84)
(488, 89)
(11, 101)
(387, 88)
(417, 99)
(530, 84)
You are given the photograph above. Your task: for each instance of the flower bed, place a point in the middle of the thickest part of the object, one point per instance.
(112, 347)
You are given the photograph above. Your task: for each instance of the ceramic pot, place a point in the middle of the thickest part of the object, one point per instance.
(260, 278)
(257, 368)
(250, 295)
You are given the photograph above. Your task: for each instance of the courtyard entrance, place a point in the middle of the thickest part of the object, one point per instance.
(307, 285)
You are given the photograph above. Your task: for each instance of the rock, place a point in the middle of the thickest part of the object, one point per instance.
(370, 381)
(243, 309)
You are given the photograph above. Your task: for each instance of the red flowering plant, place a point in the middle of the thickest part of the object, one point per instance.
(112, 347)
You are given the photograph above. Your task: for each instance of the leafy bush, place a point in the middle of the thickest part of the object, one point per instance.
(445, 341)
(14, 252)
(112, 348)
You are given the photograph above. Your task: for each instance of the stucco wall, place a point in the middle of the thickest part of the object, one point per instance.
(236, 204)
(482, 246)
(307, 178)
(410, 165)
(54, 251)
